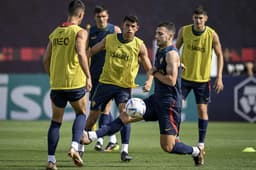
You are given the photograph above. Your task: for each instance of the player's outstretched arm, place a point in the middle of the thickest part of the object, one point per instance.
(97, 48)
(147, 66)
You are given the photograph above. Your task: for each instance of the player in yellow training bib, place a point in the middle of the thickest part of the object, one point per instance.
(123, 53)
(66, 63)
(97, 33)
(198, 40)
(165, 104)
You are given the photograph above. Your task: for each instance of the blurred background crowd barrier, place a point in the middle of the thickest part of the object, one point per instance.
(26, 97)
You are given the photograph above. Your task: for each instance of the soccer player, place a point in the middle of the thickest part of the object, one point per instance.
(165, 104)
(97, 33)
(66, 63)
(123, 53)
(198, 40)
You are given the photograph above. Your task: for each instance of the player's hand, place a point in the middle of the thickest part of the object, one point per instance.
(88, 53)
(147, 86)
(88, 84)
(152, 71)
(218, 85)
(183, 67)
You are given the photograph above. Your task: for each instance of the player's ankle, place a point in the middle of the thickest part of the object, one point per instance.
(196, 151)
(201, 145)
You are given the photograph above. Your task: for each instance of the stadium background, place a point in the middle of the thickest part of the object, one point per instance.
(25, 26)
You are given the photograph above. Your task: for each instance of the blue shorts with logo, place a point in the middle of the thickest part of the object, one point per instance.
(165, 111)
(106, 92)
(61, 97)
(202, 91)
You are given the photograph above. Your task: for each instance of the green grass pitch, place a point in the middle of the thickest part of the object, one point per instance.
(23, 146)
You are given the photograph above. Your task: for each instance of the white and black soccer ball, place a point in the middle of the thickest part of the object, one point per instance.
(135, 107)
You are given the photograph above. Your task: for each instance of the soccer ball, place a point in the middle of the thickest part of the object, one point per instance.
(135, 107)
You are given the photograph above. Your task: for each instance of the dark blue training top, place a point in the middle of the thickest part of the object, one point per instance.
(162, 89)
(97, 61)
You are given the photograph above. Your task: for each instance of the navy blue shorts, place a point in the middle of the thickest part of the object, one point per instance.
(95, 83)
(202, 91)
(106, 92)
(61, 97)
(165, 111)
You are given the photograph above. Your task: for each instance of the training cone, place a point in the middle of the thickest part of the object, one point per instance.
(249, 149)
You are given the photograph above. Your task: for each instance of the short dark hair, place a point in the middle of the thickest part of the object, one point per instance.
(99, 9)
(200, 10)
(131, 18)
(75, 6)
(169, 25)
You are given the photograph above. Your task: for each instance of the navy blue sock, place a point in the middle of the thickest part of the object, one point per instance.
(181, 148)
(110, 117)
(78, 127)
(110, 128)
(202, 127)
(103, 120)
(125, 134)
(53, 137)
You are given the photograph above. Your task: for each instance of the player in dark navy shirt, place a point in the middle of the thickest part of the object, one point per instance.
(97, 33)
(165, 104)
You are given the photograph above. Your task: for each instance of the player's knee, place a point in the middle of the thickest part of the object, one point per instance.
(202, 114)
(167, 147)
(124, 117)
(202, 108)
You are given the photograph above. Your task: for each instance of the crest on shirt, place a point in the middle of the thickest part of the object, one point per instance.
(93, 103)
(161, 60)
(93, 38)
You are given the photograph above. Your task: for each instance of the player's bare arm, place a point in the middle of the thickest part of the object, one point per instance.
(179, 40)
(117, 29)
(218, 85)
(47, 58)
(81, 40)
(97, 48)
(147, 66)
(173, 61)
